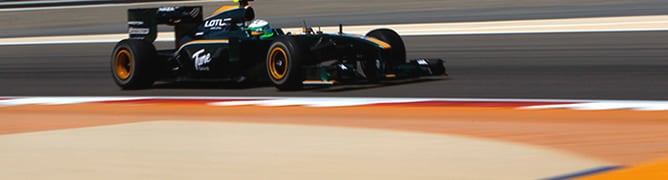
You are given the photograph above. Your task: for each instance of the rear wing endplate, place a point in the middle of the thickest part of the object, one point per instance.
(143, 23)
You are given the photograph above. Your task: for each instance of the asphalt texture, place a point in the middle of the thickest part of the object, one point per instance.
(625, 65)
(292, 13)
(564, 66)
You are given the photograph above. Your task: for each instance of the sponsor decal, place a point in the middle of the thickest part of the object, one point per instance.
(217, 23)
(167, 9)
(139, 31)
(214, 22)
(201, 59)
(135, 23)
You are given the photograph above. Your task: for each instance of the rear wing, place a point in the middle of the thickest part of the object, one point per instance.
(143, 23)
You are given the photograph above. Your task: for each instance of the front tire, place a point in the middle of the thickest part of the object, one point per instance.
(284, 61)
(133, 64)
(397, 54)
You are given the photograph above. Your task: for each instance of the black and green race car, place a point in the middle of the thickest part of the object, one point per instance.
(231, 46)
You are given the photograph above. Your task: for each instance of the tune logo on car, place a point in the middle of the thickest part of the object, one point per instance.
(201, 60)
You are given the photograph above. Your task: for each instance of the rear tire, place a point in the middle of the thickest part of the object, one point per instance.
(133, 64)
(397, 54)
(284, 63)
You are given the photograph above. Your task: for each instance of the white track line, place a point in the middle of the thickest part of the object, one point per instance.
(569, 25)
(606, 105)
(638, 105)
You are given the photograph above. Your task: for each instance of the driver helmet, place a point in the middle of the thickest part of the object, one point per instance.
(260, 27)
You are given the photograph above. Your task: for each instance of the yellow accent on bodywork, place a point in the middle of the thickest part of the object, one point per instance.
(224, 8)
(208, 41)
(203, 42)
(382, 44)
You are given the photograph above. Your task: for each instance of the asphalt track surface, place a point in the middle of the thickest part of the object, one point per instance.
(622, 65)
(292, 13)
(564, 66)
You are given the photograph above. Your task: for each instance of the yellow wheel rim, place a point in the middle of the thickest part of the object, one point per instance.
(278, 63)
(123, 63)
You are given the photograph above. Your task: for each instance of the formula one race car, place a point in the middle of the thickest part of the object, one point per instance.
(230, 45)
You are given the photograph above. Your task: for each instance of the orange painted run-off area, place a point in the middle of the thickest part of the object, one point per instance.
(652, 170)
(621, 136)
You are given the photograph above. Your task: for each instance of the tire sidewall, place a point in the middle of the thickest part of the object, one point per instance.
(143, 72)
(123, 46)
(279, 44)
(293, 75)
(398, 48)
